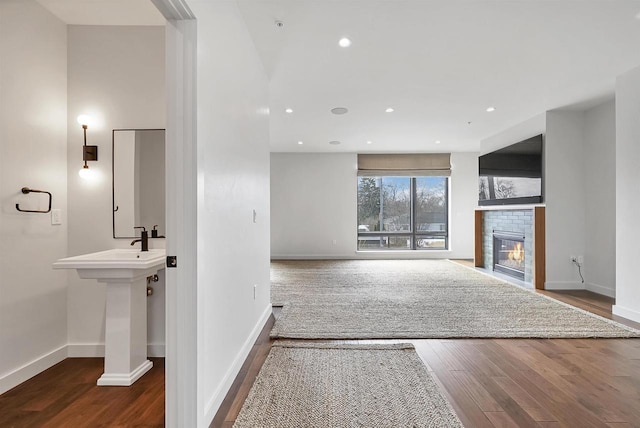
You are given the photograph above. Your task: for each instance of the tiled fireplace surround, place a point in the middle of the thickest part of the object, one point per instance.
(526, 222)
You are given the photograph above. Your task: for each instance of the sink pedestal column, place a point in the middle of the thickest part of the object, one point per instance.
(125, 359)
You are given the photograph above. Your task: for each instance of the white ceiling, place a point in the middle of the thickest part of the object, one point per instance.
(105, 12)
(438, 63)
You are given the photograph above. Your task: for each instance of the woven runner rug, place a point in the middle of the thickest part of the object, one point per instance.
(315, 385)
(381, 299)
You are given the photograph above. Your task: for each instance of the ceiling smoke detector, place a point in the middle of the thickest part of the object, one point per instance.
(278, 23)
(339, 110)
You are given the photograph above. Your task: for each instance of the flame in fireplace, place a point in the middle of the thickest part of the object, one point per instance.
(517, 254)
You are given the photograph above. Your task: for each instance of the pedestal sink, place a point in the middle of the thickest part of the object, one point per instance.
(125, 272)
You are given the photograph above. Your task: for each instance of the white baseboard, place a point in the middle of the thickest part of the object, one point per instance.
(85, 350)
(627, 313)
(564, 285)
(96, 350)
(601, 289)
(218, 396)
(72, 350)
(125, 379)
(371, 255)
(574, 285)
(156, 350)
(313, 256)
(29, 370)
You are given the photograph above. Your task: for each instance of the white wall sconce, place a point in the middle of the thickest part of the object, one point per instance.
(89, 153)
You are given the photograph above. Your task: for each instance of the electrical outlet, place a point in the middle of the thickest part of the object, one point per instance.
(56, 216)
(335, 242)
(255, 216)
(580, 259)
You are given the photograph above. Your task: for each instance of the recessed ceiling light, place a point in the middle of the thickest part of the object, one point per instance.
(344, 42)
(389, 110)
(339, 110)
(369, 142)
(288, 110)
(438, 142)
(490, 109)
(334, 143)
(300, 142)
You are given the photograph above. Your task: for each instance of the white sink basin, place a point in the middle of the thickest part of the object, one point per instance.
(117, 263)
(114, 259)
(123, 255)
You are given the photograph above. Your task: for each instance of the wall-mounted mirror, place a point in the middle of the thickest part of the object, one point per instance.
(138, 181)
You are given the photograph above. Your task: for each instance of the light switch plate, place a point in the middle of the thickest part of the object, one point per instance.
(56, 216)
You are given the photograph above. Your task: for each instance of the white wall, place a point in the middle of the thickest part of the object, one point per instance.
(33, 103)
(233, 180)
(627, 200)
(464, 199)
(314, 202)
(599, 175)
(116, 75)
(564, 197)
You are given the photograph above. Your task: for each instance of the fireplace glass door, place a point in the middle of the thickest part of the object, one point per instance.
(508, 254)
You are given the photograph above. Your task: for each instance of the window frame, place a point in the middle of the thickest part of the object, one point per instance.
(413, 234)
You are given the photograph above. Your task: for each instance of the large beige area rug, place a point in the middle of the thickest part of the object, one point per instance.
(378, 299)
(316, 385)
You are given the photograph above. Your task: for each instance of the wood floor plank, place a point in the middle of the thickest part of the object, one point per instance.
(476, 391)
(467, 409)
(502, 420)
(474, 358)
(66, 395)
(465, 406)
(524, 400)
(536, 360)
(609, 408)
(483, 374)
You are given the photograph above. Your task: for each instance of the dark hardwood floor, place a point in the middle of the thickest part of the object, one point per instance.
(66, 395)
(490, 383)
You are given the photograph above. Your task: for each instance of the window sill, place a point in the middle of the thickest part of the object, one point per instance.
(401, 251)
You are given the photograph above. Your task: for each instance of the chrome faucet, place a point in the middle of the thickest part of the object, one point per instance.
(144, 238)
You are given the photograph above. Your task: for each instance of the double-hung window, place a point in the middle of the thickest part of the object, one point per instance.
(405, 205)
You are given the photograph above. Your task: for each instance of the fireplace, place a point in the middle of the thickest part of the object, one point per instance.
(508, 253)
(518, 222)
